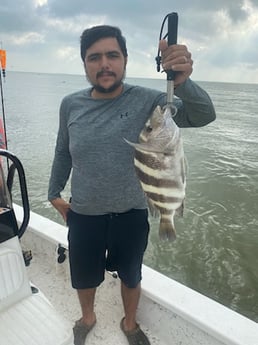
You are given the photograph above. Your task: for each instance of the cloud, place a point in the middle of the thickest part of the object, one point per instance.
(27, 38)
(19, 16)
(220, 34)
(234, 43)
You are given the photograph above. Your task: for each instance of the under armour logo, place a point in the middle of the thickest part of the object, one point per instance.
(124, 115)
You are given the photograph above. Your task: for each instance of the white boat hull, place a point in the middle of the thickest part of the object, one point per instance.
(169, 312)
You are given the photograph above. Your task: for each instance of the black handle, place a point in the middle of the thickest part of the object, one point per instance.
(23, 187)
(172, 38)
(172, 28)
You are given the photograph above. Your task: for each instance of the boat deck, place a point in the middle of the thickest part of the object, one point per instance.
(169, 312)
(57, 288)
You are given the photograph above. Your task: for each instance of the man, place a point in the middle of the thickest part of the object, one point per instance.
(107, 216)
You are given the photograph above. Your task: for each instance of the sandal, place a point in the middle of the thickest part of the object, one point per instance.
(135, 336)
(80, 332)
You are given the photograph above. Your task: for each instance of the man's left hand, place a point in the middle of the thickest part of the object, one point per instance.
(178, 58)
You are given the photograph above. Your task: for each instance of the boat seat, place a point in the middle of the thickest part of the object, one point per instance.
(26, 317)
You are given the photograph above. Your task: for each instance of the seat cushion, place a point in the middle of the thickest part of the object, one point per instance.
(34, 321)
(13, 276)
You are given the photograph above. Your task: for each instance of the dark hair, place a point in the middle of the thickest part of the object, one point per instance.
(90, 36)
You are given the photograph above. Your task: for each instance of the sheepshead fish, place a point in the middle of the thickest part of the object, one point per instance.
(160, 165)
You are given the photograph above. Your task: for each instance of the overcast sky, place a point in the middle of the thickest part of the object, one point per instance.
(43, 35)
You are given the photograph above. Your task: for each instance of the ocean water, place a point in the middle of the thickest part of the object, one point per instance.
(216, 251)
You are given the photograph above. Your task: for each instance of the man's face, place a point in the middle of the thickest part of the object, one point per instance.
(105, 65)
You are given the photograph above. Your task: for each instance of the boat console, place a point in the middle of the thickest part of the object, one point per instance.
(26, 316)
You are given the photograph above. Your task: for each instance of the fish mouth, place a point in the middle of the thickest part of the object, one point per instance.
(171, 108)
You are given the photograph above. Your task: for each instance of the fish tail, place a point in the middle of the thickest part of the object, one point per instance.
(167, 229)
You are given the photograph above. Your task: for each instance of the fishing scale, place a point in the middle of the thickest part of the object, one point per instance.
(171, 35)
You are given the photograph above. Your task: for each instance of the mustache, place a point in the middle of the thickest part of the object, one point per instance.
(109, 73)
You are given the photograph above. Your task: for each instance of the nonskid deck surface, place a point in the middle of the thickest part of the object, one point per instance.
(54, 281)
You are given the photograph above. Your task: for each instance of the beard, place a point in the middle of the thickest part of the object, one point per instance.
(110, 89)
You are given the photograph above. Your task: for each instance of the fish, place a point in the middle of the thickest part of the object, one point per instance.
(160, 165)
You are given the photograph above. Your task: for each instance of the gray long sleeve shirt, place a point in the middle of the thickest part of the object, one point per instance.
(90, 144)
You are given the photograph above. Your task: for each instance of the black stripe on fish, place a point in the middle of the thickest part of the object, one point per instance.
(163, 198)
(153, 181)
(166, 211)
(149, 160)
(163, 210)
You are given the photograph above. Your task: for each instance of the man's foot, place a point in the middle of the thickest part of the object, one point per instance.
(135, 336)
(80, 332)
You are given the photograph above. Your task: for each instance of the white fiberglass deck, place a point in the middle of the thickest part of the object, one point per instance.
(170, 313)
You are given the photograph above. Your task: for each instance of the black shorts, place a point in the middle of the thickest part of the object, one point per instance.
(113, 242)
